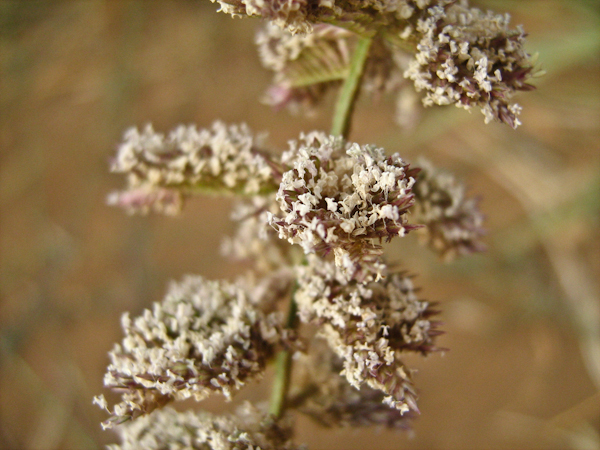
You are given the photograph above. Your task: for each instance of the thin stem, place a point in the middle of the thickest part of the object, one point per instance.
(283, 365)
(349, 90)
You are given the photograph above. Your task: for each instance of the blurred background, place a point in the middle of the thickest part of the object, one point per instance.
(522, 320)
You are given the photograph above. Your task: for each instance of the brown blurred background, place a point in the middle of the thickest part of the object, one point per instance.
(522, 320)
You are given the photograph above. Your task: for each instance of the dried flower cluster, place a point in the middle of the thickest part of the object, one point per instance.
(312, 222)
(205, 336)
(160, 170)
(453, 223)
(334, 197)
(342, 197)
(169, 429)
(368, 325)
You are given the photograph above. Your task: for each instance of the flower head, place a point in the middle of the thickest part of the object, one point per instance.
(368, 325)
(344, 198)
(470, 58)
(453, 223)
(161, 169)
(206, 336)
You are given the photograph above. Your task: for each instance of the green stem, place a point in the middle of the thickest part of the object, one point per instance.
(349, 90)
(283, 365)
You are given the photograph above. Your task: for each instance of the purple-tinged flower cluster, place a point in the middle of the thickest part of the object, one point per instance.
(205, 336)
(470, 58)
(343, 198)
(368, 325)
(161, 169)
(453, 223)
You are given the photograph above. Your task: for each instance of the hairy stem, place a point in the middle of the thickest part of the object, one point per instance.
(349, 90)
(283, 365)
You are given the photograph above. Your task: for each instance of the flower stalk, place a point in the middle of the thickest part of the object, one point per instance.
(283, 366)
(341, 127)
(349, 91)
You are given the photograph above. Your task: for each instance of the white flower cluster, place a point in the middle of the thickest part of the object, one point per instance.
(453, 223)
(173, 430)
(161, 168)
(470, 58)
(323, 394)
(206, 336)
(342, 197)
(368, 325)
